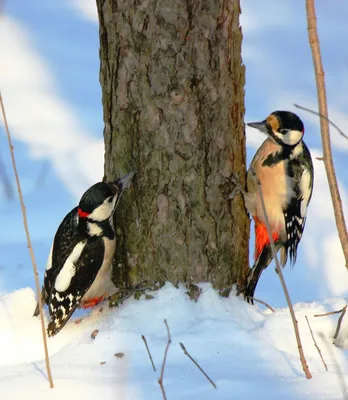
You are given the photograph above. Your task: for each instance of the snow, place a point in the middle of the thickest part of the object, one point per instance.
(246, 350)
(50, 84)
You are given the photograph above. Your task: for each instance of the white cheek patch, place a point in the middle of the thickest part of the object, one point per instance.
(68, 271)
(49, 259)
(94, 229)
(104, 211)
(290, 138)
(305, 187)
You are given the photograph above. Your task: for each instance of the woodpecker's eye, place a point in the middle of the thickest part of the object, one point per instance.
(110, 199)
(283, 131)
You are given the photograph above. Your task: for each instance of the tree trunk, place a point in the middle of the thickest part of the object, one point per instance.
(173, 99)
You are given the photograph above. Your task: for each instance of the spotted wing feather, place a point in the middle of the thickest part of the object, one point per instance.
(296, 211)
(63, 303)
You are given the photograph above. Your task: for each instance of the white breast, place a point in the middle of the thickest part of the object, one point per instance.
(102, 285)
(277, 187)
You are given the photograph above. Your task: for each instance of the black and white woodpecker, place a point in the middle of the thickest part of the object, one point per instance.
(78, 270)
(284, 168)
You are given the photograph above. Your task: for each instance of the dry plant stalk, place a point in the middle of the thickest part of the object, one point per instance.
(262, 302)
(148, 352)
(329, 313)
(315, 344)
(160, 379)
(339, 322)
(339, 130)
(196, 364)
(324, 127)
(31, 251)
(282, 280)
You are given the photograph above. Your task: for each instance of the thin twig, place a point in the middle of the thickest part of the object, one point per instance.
(339, 130)
(315, 344)
(339, 322)
(148, 352)
(324, 128)
(160, 379)
(282, 280)
(336, 367)
(261, 302)
(196, 364)
(329, 313)
(31, 251)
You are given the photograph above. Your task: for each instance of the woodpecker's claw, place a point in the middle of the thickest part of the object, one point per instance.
(92, 302)
(238, 187)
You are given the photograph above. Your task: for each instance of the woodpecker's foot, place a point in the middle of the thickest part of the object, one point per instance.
(92, 302)
(237, 187)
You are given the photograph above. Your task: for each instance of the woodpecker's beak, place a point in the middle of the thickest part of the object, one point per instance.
(261, 126)
(124, 183)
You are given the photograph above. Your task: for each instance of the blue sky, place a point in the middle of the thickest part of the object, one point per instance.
(49, 78)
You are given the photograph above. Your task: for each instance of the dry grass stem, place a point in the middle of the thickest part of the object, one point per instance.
(315, 344)
(324, 127)
(148, 352)
(31, 251)
(160, 379)
(339, 322)
(282, 280)
(262, 302)
(339, 130)
(329, 313)
(196, 364)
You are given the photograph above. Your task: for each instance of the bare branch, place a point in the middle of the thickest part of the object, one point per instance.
(31, 251)
(282, 280)
(339, 322)
(324, 127)
(261, 302)
(315, 344)
(148, 352)
(196, 364)
(336, 367)
(160, 379)
(339, 130)
(329, 313)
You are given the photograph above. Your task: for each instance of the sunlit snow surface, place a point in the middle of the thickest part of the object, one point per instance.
(248, 352)
(49, 79)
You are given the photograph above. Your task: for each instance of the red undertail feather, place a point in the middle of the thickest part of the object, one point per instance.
(92, 302)
(261, 237)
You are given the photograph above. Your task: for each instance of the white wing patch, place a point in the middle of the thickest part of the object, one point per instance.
(305, 187)
(49, 259)
(68, 271)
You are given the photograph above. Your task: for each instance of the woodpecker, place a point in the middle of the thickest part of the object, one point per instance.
(78, 269)
(283, 166)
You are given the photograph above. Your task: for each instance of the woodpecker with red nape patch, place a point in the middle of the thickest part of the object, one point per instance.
(78, 269)
(283, 166)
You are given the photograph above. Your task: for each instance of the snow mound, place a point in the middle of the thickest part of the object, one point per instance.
(248, 351)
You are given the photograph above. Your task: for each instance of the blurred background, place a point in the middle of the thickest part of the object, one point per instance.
(49, 80)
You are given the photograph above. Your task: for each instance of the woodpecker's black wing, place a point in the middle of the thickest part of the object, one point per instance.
(301, 170)
(65, 239)
(73, 281)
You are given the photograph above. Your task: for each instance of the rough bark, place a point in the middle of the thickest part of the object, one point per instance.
(173, 100)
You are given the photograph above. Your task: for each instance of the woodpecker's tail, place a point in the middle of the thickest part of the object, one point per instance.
(37, 310)
(261, 263)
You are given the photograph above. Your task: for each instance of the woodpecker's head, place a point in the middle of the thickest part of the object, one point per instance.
(99, 202)
(284, 127)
